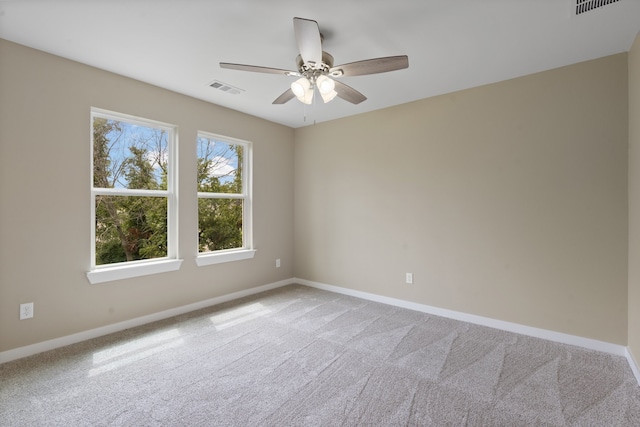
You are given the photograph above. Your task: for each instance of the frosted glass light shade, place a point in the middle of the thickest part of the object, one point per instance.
(326, 97)
(325, 85)
(302, 89)
(300, 86)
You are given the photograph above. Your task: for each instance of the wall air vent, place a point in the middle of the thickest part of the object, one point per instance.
(225, 87)
(583, 6)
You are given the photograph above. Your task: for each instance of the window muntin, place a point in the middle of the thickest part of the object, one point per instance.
(133, 197)
(224, 203)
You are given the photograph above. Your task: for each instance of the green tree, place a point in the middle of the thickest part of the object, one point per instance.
(219, 219)
(129, 228)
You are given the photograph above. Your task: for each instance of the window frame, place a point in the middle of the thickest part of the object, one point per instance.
(247, 251)
(129, 269)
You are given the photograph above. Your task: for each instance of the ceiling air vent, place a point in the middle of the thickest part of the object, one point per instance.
(226, 87)
(583, 6)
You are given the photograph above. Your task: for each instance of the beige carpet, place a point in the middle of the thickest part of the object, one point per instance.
(298, 356)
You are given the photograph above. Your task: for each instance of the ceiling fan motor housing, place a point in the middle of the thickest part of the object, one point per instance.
(312, 70)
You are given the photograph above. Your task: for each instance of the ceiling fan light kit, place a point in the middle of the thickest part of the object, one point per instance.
(316, 70)
(303, 89)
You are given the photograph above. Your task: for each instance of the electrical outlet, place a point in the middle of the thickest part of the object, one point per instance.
(278, 263)
(409, 278)
(26, 311)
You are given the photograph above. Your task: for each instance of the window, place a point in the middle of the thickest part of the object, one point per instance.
(133, 197)
(224, 199)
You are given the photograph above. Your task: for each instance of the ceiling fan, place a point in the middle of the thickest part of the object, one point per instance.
(316, 70)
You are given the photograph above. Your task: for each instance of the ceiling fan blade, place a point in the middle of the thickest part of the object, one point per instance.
(348, 93)
(371, 66)
(285, 97)
(256, 69)
(308, 39)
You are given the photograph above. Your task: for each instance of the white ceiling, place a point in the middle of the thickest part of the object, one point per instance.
(451, 45)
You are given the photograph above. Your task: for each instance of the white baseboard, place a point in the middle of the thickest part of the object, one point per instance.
(29, 350)
(633, 364)
(559, 337)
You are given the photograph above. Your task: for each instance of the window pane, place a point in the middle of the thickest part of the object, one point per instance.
(219, 224)
(219, 166)
(129, 156)
(130, 228)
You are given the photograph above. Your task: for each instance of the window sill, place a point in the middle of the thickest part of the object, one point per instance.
(109, 274)
(224, 256)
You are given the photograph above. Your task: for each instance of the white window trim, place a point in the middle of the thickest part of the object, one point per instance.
(126, 270)
(219, 257)
(247, 251)
(132, 269)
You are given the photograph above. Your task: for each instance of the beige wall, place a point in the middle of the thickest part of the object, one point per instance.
(634, 199)
(44, 209)
(507, 201)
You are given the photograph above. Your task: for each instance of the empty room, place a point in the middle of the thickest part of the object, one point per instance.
(287, 213)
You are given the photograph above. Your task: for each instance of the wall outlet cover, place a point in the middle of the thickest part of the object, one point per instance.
(26, 311)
